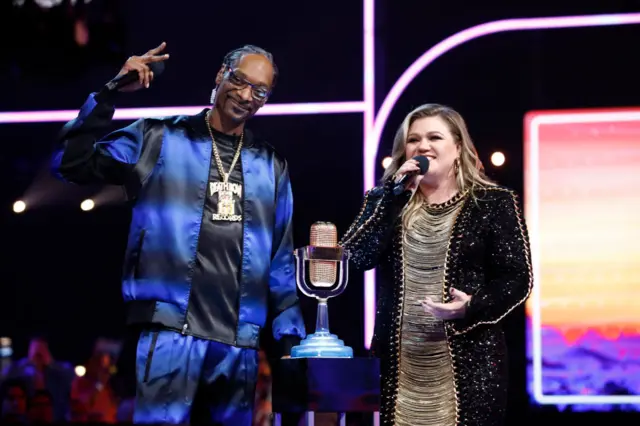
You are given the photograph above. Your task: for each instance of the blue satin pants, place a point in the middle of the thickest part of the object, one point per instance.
(172, 368)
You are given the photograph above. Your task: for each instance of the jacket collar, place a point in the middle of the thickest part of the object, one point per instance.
(197, 124)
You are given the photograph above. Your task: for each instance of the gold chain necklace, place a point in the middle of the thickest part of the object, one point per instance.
(225, 176)
(225, 190)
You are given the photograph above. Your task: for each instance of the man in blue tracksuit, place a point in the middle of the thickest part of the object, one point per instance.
(209, 256)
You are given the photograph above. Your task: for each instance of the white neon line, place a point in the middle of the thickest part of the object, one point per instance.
(587, 117)
(589, 399)
(313, 108)
(532, 185)
(533, 197)
(369, 116)
(369, 67)
(135, 113)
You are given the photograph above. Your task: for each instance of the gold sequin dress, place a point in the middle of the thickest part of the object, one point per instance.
(426, 394)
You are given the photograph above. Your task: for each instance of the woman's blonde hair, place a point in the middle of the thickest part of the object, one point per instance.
(470, 171)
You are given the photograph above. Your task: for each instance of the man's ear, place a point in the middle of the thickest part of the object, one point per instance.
(220, 75)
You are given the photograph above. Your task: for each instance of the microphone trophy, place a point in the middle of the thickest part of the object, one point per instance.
(328, 276)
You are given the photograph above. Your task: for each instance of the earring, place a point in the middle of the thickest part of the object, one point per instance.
(456, 166)
(213, 96)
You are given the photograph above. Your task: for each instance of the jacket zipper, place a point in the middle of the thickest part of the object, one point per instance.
(242, 253)
(185, 325)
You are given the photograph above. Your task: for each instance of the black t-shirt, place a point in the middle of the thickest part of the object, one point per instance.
(215, 286)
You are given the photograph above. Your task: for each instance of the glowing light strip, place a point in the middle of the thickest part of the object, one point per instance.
(589, 399)
(532, 193)
(135, 113)
(369, 118)
(372, 138)
(586, 117)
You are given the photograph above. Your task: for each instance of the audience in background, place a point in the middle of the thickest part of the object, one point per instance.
(40, 407)
(78, 412)
(40, 371)
(39, 390)
(262, 412)
(94, 390)
(13, 395)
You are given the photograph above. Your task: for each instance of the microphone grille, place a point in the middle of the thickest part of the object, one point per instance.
(323, 273)
(324, 234)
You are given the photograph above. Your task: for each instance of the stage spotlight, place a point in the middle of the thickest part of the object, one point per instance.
(19, 206)
(497, 159)
(80, 370)
(386, 162)
(87, 205)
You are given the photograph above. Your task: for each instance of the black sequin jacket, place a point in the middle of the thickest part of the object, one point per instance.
(488, 257)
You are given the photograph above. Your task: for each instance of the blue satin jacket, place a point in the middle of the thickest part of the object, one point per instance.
(168, 201)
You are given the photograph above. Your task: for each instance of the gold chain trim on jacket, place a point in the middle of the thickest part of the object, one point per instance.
(373, 216)
(397, 323)
(529, 267)
(445, 285)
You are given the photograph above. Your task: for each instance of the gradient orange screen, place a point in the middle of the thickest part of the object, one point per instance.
(582, 202)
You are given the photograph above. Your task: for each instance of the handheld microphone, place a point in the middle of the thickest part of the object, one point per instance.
(322, 273)
(132, 76)
(423, 163)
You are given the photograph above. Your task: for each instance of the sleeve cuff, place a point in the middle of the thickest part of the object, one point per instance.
(106, 96)
(284, 345)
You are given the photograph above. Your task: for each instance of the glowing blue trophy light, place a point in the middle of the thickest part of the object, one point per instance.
(326, 260)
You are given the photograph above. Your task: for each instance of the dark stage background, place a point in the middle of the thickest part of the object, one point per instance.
(61, 266)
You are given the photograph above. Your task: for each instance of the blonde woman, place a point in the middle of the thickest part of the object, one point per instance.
(453, 251)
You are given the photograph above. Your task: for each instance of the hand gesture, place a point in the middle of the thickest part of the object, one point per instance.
(457, 308)
(139, 63)
(410, 166)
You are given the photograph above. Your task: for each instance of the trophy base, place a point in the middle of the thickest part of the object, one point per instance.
(321, 345)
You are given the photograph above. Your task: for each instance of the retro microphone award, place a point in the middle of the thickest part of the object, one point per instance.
(322, 272)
